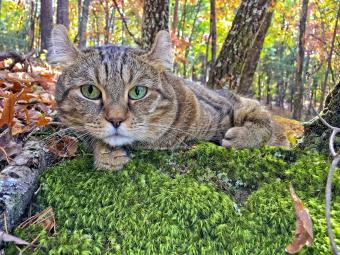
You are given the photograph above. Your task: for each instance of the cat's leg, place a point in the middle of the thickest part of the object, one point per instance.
(252, 128)
(109, 158)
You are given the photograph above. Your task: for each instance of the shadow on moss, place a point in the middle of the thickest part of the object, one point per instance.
(204, 200)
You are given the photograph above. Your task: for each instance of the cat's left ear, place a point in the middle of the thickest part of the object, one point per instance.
(160, 53)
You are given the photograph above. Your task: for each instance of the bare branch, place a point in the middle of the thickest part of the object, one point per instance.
(122, 16)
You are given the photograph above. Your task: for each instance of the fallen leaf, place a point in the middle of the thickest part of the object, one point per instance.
(304, 225)
(8, 111)
(45, 218)
(64, 147)
(4, 237)
(8, 146)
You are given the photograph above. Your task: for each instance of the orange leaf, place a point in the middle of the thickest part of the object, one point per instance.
(43, 121)
(304, 225)
(8, 111)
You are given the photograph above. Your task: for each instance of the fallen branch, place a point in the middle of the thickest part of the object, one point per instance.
(19, 180)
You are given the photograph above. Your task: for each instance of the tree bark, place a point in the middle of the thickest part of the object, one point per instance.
(33, 14)
(237, 61)
(316, 134)
(155, 18)
(298, 97)
(62, 13)
(83, 23)
(46, 22)
(175, 19)
(213, 30)
(329, 62)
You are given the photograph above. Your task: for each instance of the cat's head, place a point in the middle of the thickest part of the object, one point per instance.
(116, 94)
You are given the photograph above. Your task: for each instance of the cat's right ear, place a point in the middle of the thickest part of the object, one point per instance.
(61, 51)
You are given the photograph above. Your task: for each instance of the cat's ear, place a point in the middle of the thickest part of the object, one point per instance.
(61, 51)
(160, 53)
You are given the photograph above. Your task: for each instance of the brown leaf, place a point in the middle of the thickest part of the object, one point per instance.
(8, 147)
(8, 111)
(64, 147)
(4, 237)
(304, 225)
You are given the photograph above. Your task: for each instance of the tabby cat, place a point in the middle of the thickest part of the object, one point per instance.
(124, 97)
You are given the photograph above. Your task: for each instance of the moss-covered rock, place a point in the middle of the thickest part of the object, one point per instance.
(202, 200)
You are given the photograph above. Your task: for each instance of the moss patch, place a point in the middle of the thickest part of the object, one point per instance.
(203, 200)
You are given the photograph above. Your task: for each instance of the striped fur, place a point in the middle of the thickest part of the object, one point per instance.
(174, 111)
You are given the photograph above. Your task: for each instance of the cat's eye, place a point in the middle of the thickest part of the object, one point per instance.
(90, 92)
(137, 92)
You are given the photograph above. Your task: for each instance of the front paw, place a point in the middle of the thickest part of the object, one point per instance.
(245, 137)
(111, 159)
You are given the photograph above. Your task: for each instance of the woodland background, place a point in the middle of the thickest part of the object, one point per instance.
(285, 53)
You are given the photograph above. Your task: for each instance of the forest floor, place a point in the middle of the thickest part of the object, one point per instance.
(203, 199)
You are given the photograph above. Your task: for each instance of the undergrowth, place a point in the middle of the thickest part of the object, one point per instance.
(202, 200)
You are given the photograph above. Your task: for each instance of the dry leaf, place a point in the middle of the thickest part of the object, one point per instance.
(304, 226)
(4, 237)
(8, 147)
(8, 111)
(64, 147)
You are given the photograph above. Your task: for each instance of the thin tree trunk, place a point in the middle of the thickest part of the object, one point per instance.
(213, 30)
(46, 22)
(155, 18)
(31, 35)
(107, 22)
(237, 61)
(259, 89)
(329, 62)
(83, 23)
(62, 13)
(298, 98)
(183, 15)
(198, 8)
(175, 19)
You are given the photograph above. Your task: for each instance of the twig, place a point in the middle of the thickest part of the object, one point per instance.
(122, 16)
(328, 193)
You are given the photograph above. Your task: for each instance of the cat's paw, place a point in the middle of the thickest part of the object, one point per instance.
(110, 159)
(245, 137)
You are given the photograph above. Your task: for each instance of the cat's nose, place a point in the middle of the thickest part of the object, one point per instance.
(116, 115)
(116, 122)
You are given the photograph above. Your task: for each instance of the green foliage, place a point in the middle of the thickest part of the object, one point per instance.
(185, 202)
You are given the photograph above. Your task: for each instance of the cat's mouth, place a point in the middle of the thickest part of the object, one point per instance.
(117, 139)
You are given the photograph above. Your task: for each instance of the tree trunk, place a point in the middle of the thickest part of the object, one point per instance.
(298, 97)
(329, 62)
(83, 23)
(33, 14)
(62, 13)
(213, 30)
(237, 61)
(175, 19)
(316, 134)
(46, 22)
(155, 18)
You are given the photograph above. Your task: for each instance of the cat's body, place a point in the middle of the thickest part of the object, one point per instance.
(126, 97)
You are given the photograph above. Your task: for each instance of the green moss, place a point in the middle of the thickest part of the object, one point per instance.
(193, 201)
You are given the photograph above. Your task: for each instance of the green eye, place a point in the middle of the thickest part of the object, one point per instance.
(90, 92)
(137, 92)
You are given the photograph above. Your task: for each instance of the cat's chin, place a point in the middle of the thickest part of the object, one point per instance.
(118, 140)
